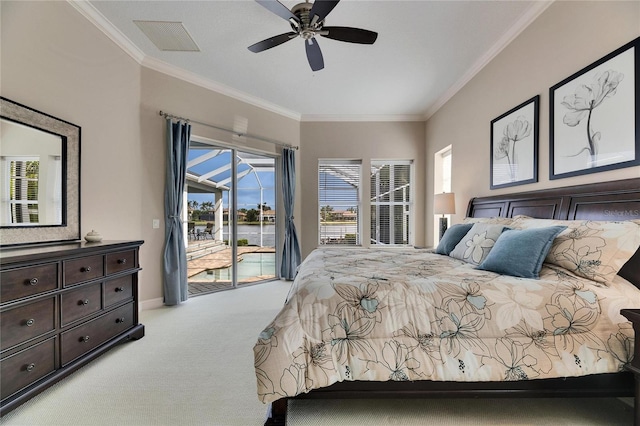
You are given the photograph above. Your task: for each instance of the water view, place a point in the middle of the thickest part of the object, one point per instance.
(251, 233)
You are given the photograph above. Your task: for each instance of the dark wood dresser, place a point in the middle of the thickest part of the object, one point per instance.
(61, 306)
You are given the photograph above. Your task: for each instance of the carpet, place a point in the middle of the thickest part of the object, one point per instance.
(195, 367)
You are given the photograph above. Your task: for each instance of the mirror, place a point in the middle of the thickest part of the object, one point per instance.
(30, 176)
(39, 177)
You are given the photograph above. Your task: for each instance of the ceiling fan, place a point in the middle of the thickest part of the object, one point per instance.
(307, 21)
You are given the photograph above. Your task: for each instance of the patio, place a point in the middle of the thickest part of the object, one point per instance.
(211, 255)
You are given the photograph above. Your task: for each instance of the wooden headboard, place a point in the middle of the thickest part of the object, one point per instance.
(615, 201)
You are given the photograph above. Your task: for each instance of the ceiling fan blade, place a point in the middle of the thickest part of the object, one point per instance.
(314, 54)
(272, 42)
(320, 9)
(278, 8)
(351, 35)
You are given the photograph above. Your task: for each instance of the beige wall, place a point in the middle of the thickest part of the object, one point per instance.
(363, 141)
(567, 37)
(56, 61)
(169, 94)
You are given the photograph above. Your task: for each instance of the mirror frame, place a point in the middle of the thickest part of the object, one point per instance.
(69, 230)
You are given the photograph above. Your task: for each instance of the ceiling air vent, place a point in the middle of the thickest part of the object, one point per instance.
(168, 36)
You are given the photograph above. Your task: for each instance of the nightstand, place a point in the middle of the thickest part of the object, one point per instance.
(633, 315)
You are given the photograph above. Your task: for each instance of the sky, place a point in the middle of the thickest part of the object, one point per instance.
(337, 192)
(248, 185)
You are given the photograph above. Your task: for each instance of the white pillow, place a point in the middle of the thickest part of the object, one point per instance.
(475, 245)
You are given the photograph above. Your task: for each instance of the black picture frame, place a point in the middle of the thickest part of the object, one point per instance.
(594, 116)
(514, 146)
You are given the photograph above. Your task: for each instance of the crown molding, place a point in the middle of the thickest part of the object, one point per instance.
(523, 22)
(363, 117)
(94, 16)
(103, 24)
(193, 78)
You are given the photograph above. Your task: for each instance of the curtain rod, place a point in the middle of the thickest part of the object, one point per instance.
(239, 134)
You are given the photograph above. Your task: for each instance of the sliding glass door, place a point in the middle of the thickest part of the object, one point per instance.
(231, 218)
(256, 224)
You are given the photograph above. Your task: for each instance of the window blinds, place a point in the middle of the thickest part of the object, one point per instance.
(339, 202)
(23, 191)
(391, 203)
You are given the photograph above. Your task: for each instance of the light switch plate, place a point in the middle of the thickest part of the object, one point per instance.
(156, 223)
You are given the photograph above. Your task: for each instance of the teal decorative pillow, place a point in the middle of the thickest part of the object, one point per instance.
(452, 237)
(475, 245)
(520, 253)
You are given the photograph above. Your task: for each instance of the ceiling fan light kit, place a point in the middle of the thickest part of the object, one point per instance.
(307, 21)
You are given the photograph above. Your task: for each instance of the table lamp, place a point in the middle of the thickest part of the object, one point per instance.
(444, 203)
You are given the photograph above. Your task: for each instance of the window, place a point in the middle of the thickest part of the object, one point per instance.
(231, 201)
(391, 202)
(22, 194)
(446, 171)
(442, 181)
(339, 202)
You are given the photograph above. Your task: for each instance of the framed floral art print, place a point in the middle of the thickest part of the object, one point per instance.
(594, 119)
(514, 146)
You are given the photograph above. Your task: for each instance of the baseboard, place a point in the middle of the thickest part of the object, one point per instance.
(145, 305)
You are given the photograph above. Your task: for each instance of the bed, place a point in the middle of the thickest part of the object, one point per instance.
(412, 323)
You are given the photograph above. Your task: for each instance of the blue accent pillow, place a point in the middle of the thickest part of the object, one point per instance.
(520, 253)
(452, 237)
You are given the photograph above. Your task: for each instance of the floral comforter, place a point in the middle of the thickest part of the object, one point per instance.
(410, 314)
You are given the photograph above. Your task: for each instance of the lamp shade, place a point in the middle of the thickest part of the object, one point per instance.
(444, 203)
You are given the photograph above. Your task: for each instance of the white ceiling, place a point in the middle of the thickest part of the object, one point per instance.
(425, 52)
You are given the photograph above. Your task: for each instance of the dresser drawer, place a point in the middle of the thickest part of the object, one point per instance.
(80, 303)
(25, 367)
(118, 290)
(24, 282)
(83, 269)
(121, 261)
(80, 340)
(26, 322)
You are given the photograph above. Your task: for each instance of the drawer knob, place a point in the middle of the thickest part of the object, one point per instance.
(86, 269)
(84, 339)
(30, 367)
(33, 281)
(83, 302)
(119, 320)
(122, 261)
(119, 289)
(30, 322)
